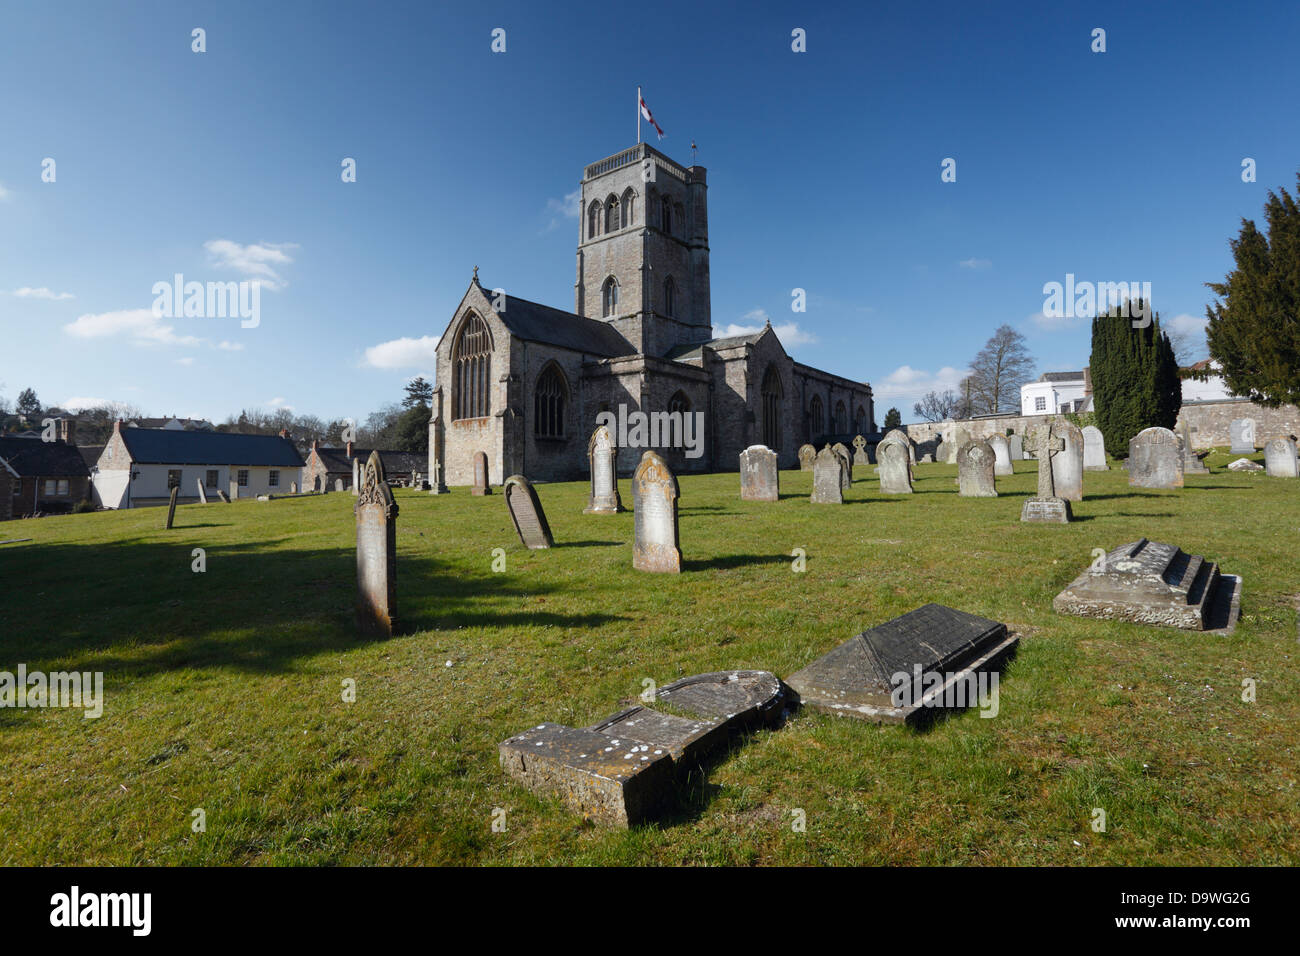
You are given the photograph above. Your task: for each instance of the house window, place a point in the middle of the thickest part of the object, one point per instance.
(50, 485)
(63, 486)
(472, 366)
(211, 480)
(275, 478)
(548, 403)
(1040, 404)
(772, 394)
(173, 478)
(609, 297)
(241, 477)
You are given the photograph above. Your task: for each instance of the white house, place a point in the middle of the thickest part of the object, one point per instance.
(140, 466)
(1056, 393)
(1211, 389)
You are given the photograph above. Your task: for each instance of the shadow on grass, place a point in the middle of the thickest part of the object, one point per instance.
(733, 561)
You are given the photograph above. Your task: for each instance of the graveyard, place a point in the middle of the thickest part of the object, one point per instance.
(225, 688)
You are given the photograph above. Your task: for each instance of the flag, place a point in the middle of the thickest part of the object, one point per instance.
(645, 111)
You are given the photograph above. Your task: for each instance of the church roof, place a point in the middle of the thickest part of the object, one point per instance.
(693, 351)
(534, 322)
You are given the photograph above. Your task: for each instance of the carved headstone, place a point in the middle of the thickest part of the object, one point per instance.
(527, 514)
(1280, 458)
(929, 658)
(846, 461)
(1046, 506)
(602, 457)
(960, 436)
(437, 446)
(1151, 583)
(1001, 455)
(203, 494)
(1017, 444)
(807, 454)
(222, 496)
(1242, 433)
(828, 478)
(860, 456)
(975, 461)
(759, 478)
(376, 516)
(655, 542)
(1094, 449)
(901, 437)
(894, 468)
(1192, 464)
(171, 507)
(1067, 464)
(481, 486)
(1155, 460)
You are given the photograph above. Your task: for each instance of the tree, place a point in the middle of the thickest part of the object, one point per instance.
(998, 371)
(1254, 334)
(411, 431)
(29, 406)
(418, 392)
(893, 419)
(939, 406)
(1135, 383)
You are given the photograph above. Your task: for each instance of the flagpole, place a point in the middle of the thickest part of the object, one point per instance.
(638, 116)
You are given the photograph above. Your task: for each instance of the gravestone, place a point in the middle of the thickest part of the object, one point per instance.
(626, 769)
(960, 436)
(860, 456)
(293, 487)
(1017, 444)
(376, 517)
(481, 486)
(1280, 458)
(203, 494)
(356, 476)
(1001, 455)
(828, 478)
(1192, 464)
(527, 514)
(1151, 583)
(847, 461)
(338, 484)
(234, 488)
(1245, 464)
(759, 478)
(171, 507)
(222, 496)
(601, 464)
(655, 542)
(975, 461)
(807, 454)
(1067, 464)
(894, 468)
(1094, 449)
(1155, 460)
(900, 436)
(928, 659)
(1242, 433)
(1046, 506)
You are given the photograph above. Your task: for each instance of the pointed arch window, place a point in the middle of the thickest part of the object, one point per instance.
(772, 394)
(860, 421)
(549, 400)
(679, 403)
(471, 369)
(670, 297)
(666, 215)
(841, 419)
(628, 206)
(816, 418)
(609, 297)
(593, 219)
(611, 214)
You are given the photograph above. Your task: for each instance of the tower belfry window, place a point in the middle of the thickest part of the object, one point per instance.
(609, 297)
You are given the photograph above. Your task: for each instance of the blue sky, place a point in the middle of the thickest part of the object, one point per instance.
(824, 174)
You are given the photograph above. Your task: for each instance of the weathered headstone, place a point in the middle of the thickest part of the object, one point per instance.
(1241, 431)
(1001, 455)
(437, 447)
(928, 659)
(1017, 444)
(1154, 459)
(901, 437)
(846, 461)
(171, 507)
(1046, 506)
(527, 514)
(1245, 464)
(1067, 464)
(655, 542)
(894, 468)
(222, 495)
(759, 478)
(1151, 583)
(975, 470)
(1094, 449)
(828, 478)
(376, 516)
(481, 486)
(356, 476)
(339, 484)
(860, 456)
(293, 487)
(960, 436)
(601, 462)
(807, 454)
(234, 488)
(1192, 464)
(203, 494)
(1280, 458)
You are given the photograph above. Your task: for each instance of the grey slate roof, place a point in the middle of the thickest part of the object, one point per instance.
(534, 322)
(46, 459)
(395, 462)
(90, 454)
(158, 446)
(693, 351)
(1062, 376)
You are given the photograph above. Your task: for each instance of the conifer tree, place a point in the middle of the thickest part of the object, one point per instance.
(1135, 383)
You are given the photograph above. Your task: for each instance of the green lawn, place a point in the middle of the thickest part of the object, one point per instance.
(223, 689)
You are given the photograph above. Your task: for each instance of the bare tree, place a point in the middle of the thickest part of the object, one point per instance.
(938, 406)
(998, 371)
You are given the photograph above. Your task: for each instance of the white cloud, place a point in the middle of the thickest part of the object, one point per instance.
(42, 293)
(141, 326)
(975, 263)
(231, 346)
(403, 353)
(279, 402)
(1186, 324)
(905, 385)
(1049, 323)
(187, 360)
(78, 402)
(255, 259)
(569, 207)
(789, 333)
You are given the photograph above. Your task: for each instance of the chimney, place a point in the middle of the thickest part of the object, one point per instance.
(117, 427)
(349, 449)
(313, 444)
(1087, 380)
(68, 431)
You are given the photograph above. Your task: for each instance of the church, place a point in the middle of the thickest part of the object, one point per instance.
(524, 383)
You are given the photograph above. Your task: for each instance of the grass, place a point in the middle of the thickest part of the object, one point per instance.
(224, 689)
